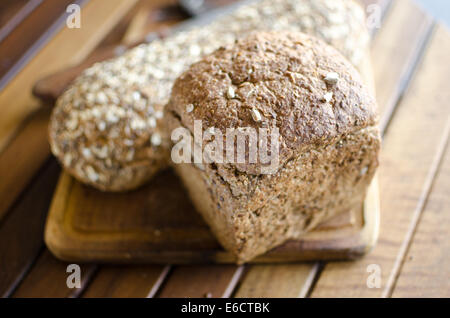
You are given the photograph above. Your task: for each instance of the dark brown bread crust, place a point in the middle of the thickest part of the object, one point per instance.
(329, 147)
(282, 76)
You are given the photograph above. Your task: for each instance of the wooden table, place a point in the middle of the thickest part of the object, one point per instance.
(411, 64)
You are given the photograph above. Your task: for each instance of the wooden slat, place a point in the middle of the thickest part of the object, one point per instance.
(10, 8)
(22, 231)
(151, 16)
(21, 41)
(48, 278)
(137, 25)
(411, 152)
(290, 280)
(12, 12)
(201, 281)
(20, 161)
(397, 47)
(426, 271)
(127, 281)
(16, 101)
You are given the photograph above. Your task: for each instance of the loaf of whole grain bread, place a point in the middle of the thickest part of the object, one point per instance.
(328, 140)
(107, 128)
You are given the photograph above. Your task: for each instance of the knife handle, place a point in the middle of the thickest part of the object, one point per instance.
(51, 87)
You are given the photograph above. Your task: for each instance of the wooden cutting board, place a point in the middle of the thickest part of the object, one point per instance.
(158, 224)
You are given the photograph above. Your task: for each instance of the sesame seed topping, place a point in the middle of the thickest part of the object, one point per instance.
(128, 142)
(159, 114)
(151, 122)
(137, 124)
(91, 174)
(96, 112)
(332, 78)
(86, 153)
(136, 96)
(328, 97)
(101, 152)
(111, 117)
(189, 108)
(130, 155)
(156, 139)
(256, 115)
(363, 171)
(72, 124)
(195, 50)
(230, 92)
(101, 126)
(67, 159)
(101, 98)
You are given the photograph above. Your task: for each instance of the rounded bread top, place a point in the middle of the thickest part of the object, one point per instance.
(288, 81)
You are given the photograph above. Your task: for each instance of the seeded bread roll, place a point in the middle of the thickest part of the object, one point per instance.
(328, 138)
(106, 129)
(110, 144)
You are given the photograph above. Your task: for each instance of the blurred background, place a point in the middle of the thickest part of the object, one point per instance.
(440, 9)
